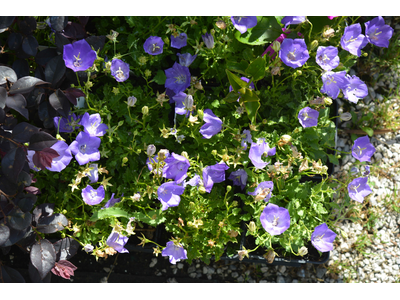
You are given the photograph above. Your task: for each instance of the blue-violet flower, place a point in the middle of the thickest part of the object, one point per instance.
(153, 45)
(322, 238)
(212, 126)
(79, 56)
(293, 52)
(244, 23)
(274, 219)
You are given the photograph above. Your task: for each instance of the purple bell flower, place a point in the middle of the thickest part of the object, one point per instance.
(244, 23)
(363, 149)
(322, 238)
(257, 150)
(112, 201)
(352, 39)
(153, 45)
(168, 194)
(355, 90)
(120, 70)
(263, 191)
(212, 126)
(308, 117)
(293, 20)
(61, 162)
(275, 219)
(333, 82)
(193, 182)
(179, 41)
(377, 32)
(239, 178)
(176, 167)
(359, 188)
(117, 241)
(213, 174)
(92, 124)
(180, 108)
(85, 148)
(186, 59)
(246, 139)
(92, 196)
(67, 125)
(327, 57)
(208, 40)
(79, 56)
(178, 78)
(176, 252)
(293, 52)
(367, 171)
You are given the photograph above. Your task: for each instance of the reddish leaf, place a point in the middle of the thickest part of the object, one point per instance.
(72, 94)
(43, 159)
(64, 268)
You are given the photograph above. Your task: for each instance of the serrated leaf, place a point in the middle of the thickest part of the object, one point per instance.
(60, 103)
(108, 213)
(26, 84)
(41, 140)
(235, 81)
(12, 163)
(266, 31)
(23, 132)
(18, 103)
(7, 73)
(257, 69)
(43, 256)
(160, 77)
(30, 45)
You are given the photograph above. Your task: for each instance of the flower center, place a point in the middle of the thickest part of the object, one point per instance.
(93, 194)
(359, 150)
(291, 56)
(120, 73)
(331, 79)
(350, 40)
(82, 148)
(275, 222)
(319, 238)
(373, 36)
(77, 62)
(305, 116)
(155, 47)
(180, 79)
(354, 188)
(262, 194)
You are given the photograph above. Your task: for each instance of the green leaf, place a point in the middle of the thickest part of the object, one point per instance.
(266, 31)
(251, 109)
(257, 69)
(235, 81)
(152, 218)
(237, 67)
(108, 213)
(333, 159)
(368, 130)
(160, 77)
(232, 97)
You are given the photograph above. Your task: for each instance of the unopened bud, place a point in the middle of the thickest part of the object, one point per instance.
(345, 116)
(252, 227)
(188, 102)
(286, 138)
(270, 256)
(228, 188)
(328, 101)
(202, 190)
(303, 251)
(185, 154)
(200, 113)
(220, 24)
(276, 46)
(145, 110)
(314, 44)
(151, 149)
(365, 54)
(132, 101)
(192, 206)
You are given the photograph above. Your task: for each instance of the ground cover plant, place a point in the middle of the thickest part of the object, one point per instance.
(205, 127)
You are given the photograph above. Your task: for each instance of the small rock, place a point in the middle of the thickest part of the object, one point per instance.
(301, 273)
(378, 156)
(282, 269)
(180, 265)
(153, 262)
(192, 275)
(295, 281)
(205, 270)
(103, 280)
(191, 269)
(321, 272)
(235, 274)
(240, 279)
(106, 269)
(280, 279)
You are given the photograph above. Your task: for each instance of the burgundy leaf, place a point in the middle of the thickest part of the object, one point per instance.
(43, 159)
(72, 94)
(32, 190)
(41, 140)
(64, 268)
(18, 103)
(43, 256)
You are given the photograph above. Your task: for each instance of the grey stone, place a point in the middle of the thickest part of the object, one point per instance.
(153, 262)
(301, 273)
(240, 279)
(282, 269)
(180, 265)
(235, 274)
(321, 272)
(205, 270)
(378, 156)
(280, 279)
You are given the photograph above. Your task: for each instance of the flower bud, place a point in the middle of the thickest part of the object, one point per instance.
(228, 188)
(151, 149)
(286, 138)
(303, 251)
(276, 46)
(220, 24)
(200, 113)
(132, 101)
(147, 73)
(192, 206)
(188, 102)
(365, 54)
(185, 154)
(252, 227)
(328, 32)
(270, 256)
(145, 110)
(345, 116)
(314, 44)
(328, 101)
(202, 190)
